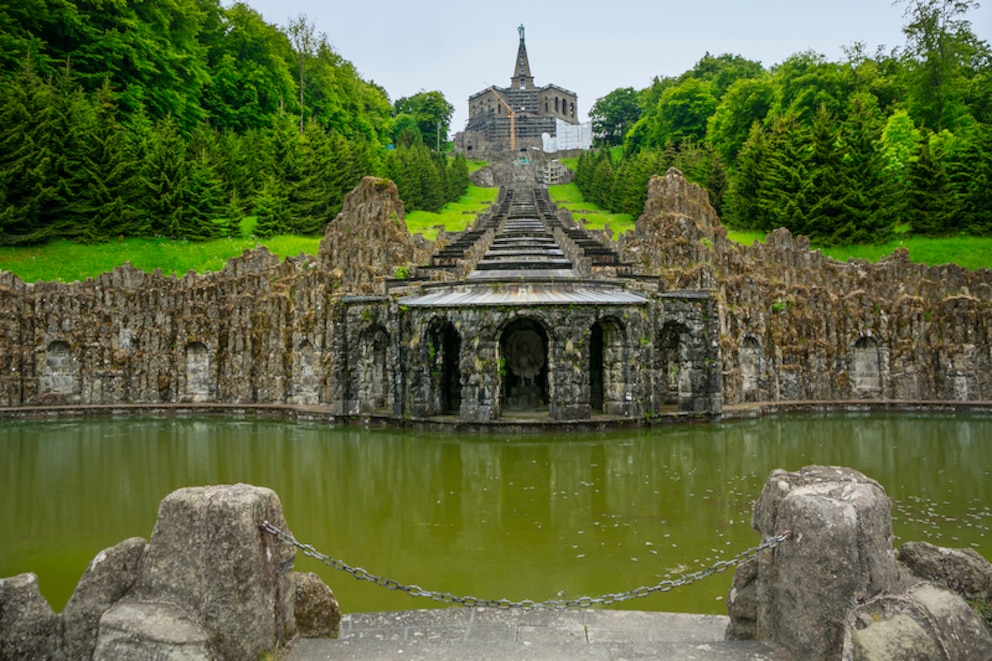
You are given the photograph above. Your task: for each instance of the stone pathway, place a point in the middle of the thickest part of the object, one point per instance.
(451, 634)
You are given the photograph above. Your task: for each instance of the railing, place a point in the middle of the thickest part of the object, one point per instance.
(581, 602)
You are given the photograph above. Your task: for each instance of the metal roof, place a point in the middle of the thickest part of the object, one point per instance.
(526, 293)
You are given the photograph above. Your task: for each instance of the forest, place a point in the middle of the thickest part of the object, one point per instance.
(881, 143)
(180, 119)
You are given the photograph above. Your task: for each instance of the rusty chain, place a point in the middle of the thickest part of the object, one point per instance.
(581, 602)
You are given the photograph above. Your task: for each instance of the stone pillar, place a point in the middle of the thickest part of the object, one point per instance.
(799, 593)
(212, 585)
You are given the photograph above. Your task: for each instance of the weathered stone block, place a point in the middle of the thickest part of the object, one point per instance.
(925, 622)
(107, 578)
(135, 631)
(840, 552)
(316, 609)
(29, 629)
(208, 557)
(963, 571)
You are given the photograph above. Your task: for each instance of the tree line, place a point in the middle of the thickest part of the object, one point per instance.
(179, 119)
(844, 152)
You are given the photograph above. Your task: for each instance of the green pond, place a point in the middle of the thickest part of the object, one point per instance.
(519, 517)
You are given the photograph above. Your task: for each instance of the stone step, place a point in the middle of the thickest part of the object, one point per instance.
(486, 633)
(523, 263)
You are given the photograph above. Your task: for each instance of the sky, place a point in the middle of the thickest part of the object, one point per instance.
(591, 48)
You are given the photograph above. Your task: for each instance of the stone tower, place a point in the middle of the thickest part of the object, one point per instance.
(523, 119)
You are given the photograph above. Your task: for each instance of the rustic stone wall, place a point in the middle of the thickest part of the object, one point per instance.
(724, 324)
(796, 325)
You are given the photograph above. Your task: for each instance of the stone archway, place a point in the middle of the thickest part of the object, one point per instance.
(523, 352)
(443, 363)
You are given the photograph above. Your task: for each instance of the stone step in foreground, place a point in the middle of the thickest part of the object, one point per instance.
(486, 633)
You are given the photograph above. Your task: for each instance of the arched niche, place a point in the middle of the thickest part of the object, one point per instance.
(673, 367)
(750, 356)
(444, 345)
(198, 379)
(607, 376)
(866, 367)
(374, 372)
(306, 373)
(59, 374)
(523, 358)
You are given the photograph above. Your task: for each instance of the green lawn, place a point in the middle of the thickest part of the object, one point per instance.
(455, 216)
(972, 252)
(66, 262)
(587, 214)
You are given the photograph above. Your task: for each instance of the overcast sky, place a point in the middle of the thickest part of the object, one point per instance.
(591, 48)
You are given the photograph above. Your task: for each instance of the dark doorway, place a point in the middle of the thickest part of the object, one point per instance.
(523, 351)
(444, 346)
(596, 369)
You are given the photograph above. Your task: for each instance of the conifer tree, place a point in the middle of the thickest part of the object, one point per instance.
(930, 197)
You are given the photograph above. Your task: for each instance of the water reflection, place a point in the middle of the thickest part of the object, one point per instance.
(522, 517)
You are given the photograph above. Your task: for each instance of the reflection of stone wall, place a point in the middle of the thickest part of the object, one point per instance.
(795, 325)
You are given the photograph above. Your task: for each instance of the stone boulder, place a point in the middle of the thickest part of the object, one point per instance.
(925, 622)
(109, 576)
(963, 571)
(29, 629)
(315, 607)
(210, 578)
(799, 593)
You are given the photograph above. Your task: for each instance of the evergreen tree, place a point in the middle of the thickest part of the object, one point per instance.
(458, 179)
(973, 179)
(271, 204)
(746, 188)
(872, 194)
(785, 194)
(930, 197)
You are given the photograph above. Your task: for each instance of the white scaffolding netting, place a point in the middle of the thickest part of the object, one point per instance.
(569, 136)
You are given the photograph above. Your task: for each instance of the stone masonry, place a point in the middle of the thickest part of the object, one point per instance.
(671, 319)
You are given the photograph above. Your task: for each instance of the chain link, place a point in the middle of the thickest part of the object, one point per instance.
(580, 602)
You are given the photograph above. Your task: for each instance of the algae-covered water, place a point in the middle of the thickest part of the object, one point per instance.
(519, 517)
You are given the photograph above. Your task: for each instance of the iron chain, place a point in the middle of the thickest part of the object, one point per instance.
(580, 602)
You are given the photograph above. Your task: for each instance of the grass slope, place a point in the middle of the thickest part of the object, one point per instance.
(64, 261)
